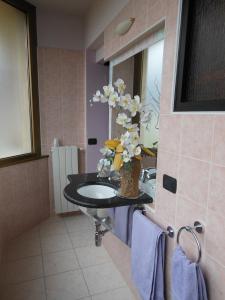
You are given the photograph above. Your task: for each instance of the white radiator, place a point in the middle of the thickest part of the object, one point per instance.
(64, 162)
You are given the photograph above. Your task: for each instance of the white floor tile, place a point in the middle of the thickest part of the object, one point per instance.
(62, 261)
(120, 294)
(54, 243)
(102, 278)
(30, 290)
(22, 248)
(52, 228)
(53, 219)
(83, 237)
(66, 286)
(23, 270)
(77, 223)
(90, 256)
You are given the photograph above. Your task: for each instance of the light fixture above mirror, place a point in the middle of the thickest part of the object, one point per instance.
(123, 27)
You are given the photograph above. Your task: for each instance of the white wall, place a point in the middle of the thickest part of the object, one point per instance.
(60, 31)
(99, 15)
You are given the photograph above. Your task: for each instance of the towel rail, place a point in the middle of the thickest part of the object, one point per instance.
(169, 230)
(199, 228)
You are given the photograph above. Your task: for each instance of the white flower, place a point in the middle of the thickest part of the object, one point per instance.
(137, 99)
(103, 99)
(120, 85)
(131, 148)
(106, 151)
(103, 163)
(108, 90)
(134, 138)
(137, 151)
(97, 97)
(132, 127)
(125, 139)
(122, 119)
(125, 101)
(126, 156)
(113, 99)
(135, 106)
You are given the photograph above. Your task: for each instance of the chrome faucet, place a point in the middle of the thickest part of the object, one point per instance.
(147, 174)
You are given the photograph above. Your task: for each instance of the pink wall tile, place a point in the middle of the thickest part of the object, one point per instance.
(193, 180)
(165, 205)
(170, 133)
(215, 274)
(62, 100)
(216, 200)
(24, 198)
(214, 235)
(187, 212)
(197, 132)
(167, 163)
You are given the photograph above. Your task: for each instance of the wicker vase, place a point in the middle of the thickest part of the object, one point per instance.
(130, 179)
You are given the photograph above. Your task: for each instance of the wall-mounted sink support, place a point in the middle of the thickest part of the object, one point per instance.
(93, 195)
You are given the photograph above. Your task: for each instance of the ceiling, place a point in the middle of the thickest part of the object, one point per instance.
(69, 7)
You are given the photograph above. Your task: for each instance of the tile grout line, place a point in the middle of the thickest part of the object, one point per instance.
(42, 260)
(77, 260)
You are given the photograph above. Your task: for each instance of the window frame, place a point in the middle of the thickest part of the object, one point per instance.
(213, 105)
(35, 153)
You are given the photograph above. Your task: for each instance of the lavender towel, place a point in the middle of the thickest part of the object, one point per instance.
(121, 220)
(187, 278)
(147, 257)
(111, 213)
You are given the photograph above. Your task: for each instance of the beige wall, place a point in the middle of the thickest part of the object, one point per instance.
(191, 149)
(23, 198)
(62, 102)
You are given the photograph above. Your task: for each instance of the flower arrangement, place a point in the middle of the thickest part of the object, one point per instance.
(120, 152)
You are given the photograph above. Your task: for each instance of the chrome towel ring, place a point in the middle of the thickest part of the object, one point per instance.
(199, 228)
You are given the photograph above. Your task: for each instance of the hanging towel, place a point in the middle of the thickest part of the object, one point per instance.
(130, 223)
(111, 213)
(121, 220)
(147, 257)
(187, 278)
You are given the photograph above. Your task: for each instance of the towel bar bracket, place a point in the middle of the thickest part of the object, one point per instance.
(170, 231)
(198, 226)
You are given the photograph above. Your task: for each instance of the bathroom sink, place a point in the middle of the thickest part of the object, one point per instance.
(96, 191)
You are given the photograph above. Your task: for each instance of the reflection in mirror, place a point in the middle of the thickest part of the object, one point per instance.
(124, 70)
(150, 93)
(142, 75)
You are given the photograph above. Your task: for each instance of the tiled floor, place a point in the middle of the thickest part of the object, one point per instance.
(59, 261)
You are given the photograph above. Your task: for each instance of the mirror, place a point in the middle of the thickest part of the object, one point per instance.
(142, 75)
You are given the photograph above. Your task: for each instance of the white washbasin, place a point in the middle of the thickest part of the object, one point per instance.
(97, 191)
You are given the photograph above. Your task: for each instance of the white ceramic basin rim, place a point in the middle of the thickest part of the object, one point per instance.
(97, 191)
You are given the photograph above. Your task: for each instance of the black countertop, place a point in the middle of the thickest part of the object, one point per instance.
(76, 181)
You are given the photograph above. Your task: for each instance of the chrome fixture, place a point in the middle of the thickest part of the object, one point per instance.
(147, 174)
(169, 230)
(197, 227)
(99, 232)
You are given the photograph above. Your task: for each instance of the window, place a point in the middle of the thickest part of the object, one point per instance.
(19, 112)
(200, 81)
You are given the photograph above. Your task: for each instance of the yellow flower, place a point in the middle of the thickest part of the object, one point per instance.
(112, 144)
(118, 162)
(148, 151)
(119, 149)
